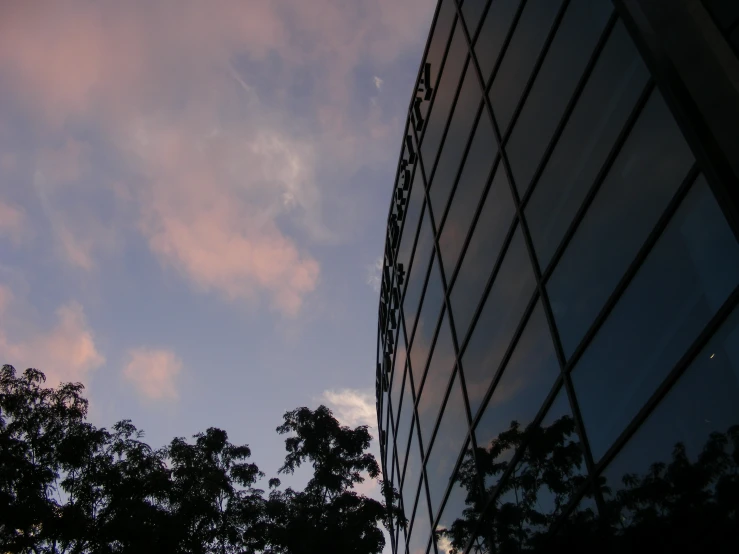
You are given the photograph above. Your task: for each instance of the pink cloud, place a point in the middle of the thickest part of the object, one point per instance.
(153, 372)
(12, 222)
(65, 163)
(64, 352)
(210, 167)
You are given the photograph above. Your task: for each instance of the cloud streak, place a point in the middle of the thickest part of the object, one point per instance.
(153, 372)
(66, 351)
(210, 170)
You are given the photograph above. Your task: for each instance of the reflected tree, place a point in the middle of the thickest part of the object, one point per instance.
(674, 505)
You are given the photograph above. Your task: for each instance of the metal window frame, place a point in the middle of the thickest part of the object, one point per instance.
(721, 172)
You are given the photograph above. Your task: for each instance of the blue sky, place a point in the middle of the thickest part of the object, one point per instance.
(193, 199)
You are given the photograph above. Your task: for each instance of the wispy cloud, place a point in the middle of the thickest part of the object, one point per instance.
(378, 82)
(352, 407)
(13, 223)
(64, 351)
(374, 274)
(153, 372)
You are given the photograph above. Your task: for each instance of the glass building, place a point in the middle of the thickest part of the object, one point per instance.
(558, 338)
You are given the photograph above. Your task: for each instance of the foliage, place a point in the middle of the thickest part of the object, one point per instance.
(69, 487)
(675, 506)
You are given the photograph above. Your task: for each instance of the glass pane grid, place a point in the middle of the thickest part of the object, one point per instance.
(506, 379)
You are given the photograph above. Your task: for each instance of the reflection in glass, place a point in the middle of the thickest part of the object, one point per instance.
(693, 267)
(420, 530)
(417, 275)
(601, 111)
(435, 382)
(493, 33)
(511, 292)
(482, 252)
(680, 472)
(580, 531)
(438, 44)
(410, 227)
(532, 497)
(458, 134)
(389, 450)
(643, 178)
(447, 445)
(472, 11)
(524, 385)
(518, 61)
(463, 500)
(467, 195)
(398, 369)
(433, 300)
(443, 98)
(412, 473)
(555, 83)
(403, 424)
(401, 542)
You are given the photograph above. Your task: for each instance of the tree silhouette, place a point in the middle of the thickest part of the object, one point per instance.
(327, 515)
(212, 502)
(675, 505)
(69, 487)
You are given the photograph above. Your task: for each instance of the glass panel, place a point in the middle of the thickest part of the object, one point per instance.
(410, 227)
(563, 65)
(524, 385)
(403, 429)
(394, 479)
(417, 275)
(725, 12)
(685, 279)
(401, 541)
(582, 531)
(439, 41)
(390, 449)
(412, 473)
(518, 61)
(498, 320)
(472, 11)
(676, 474)
(398, 368)
(461, 507)
(470, 98)
(436, 382)
(482, 252)
(442, 103)
(644, 177)
(545, 479)
(448, 443)
(604, 105)
(419, 540)
(550, 473)
(433, 300)
(493, 33)
(467, 195)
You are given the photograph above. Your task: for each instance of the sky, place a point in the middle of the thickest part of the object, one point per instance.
(193, 200)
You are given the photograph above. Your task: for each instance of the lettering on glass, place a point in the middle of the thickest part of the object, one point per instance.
(393, 273)
(423, 94)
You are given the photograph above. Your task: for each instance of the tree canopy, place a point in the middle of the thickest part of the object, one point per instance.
(67, 486)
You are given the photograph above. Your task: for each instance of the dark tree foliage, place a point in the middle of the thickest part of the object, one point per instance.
(69, 487)
(677, 506)
(327, 516)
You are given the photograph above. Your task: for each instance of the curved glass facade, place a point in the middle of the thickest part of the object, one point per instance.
(558, 343)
